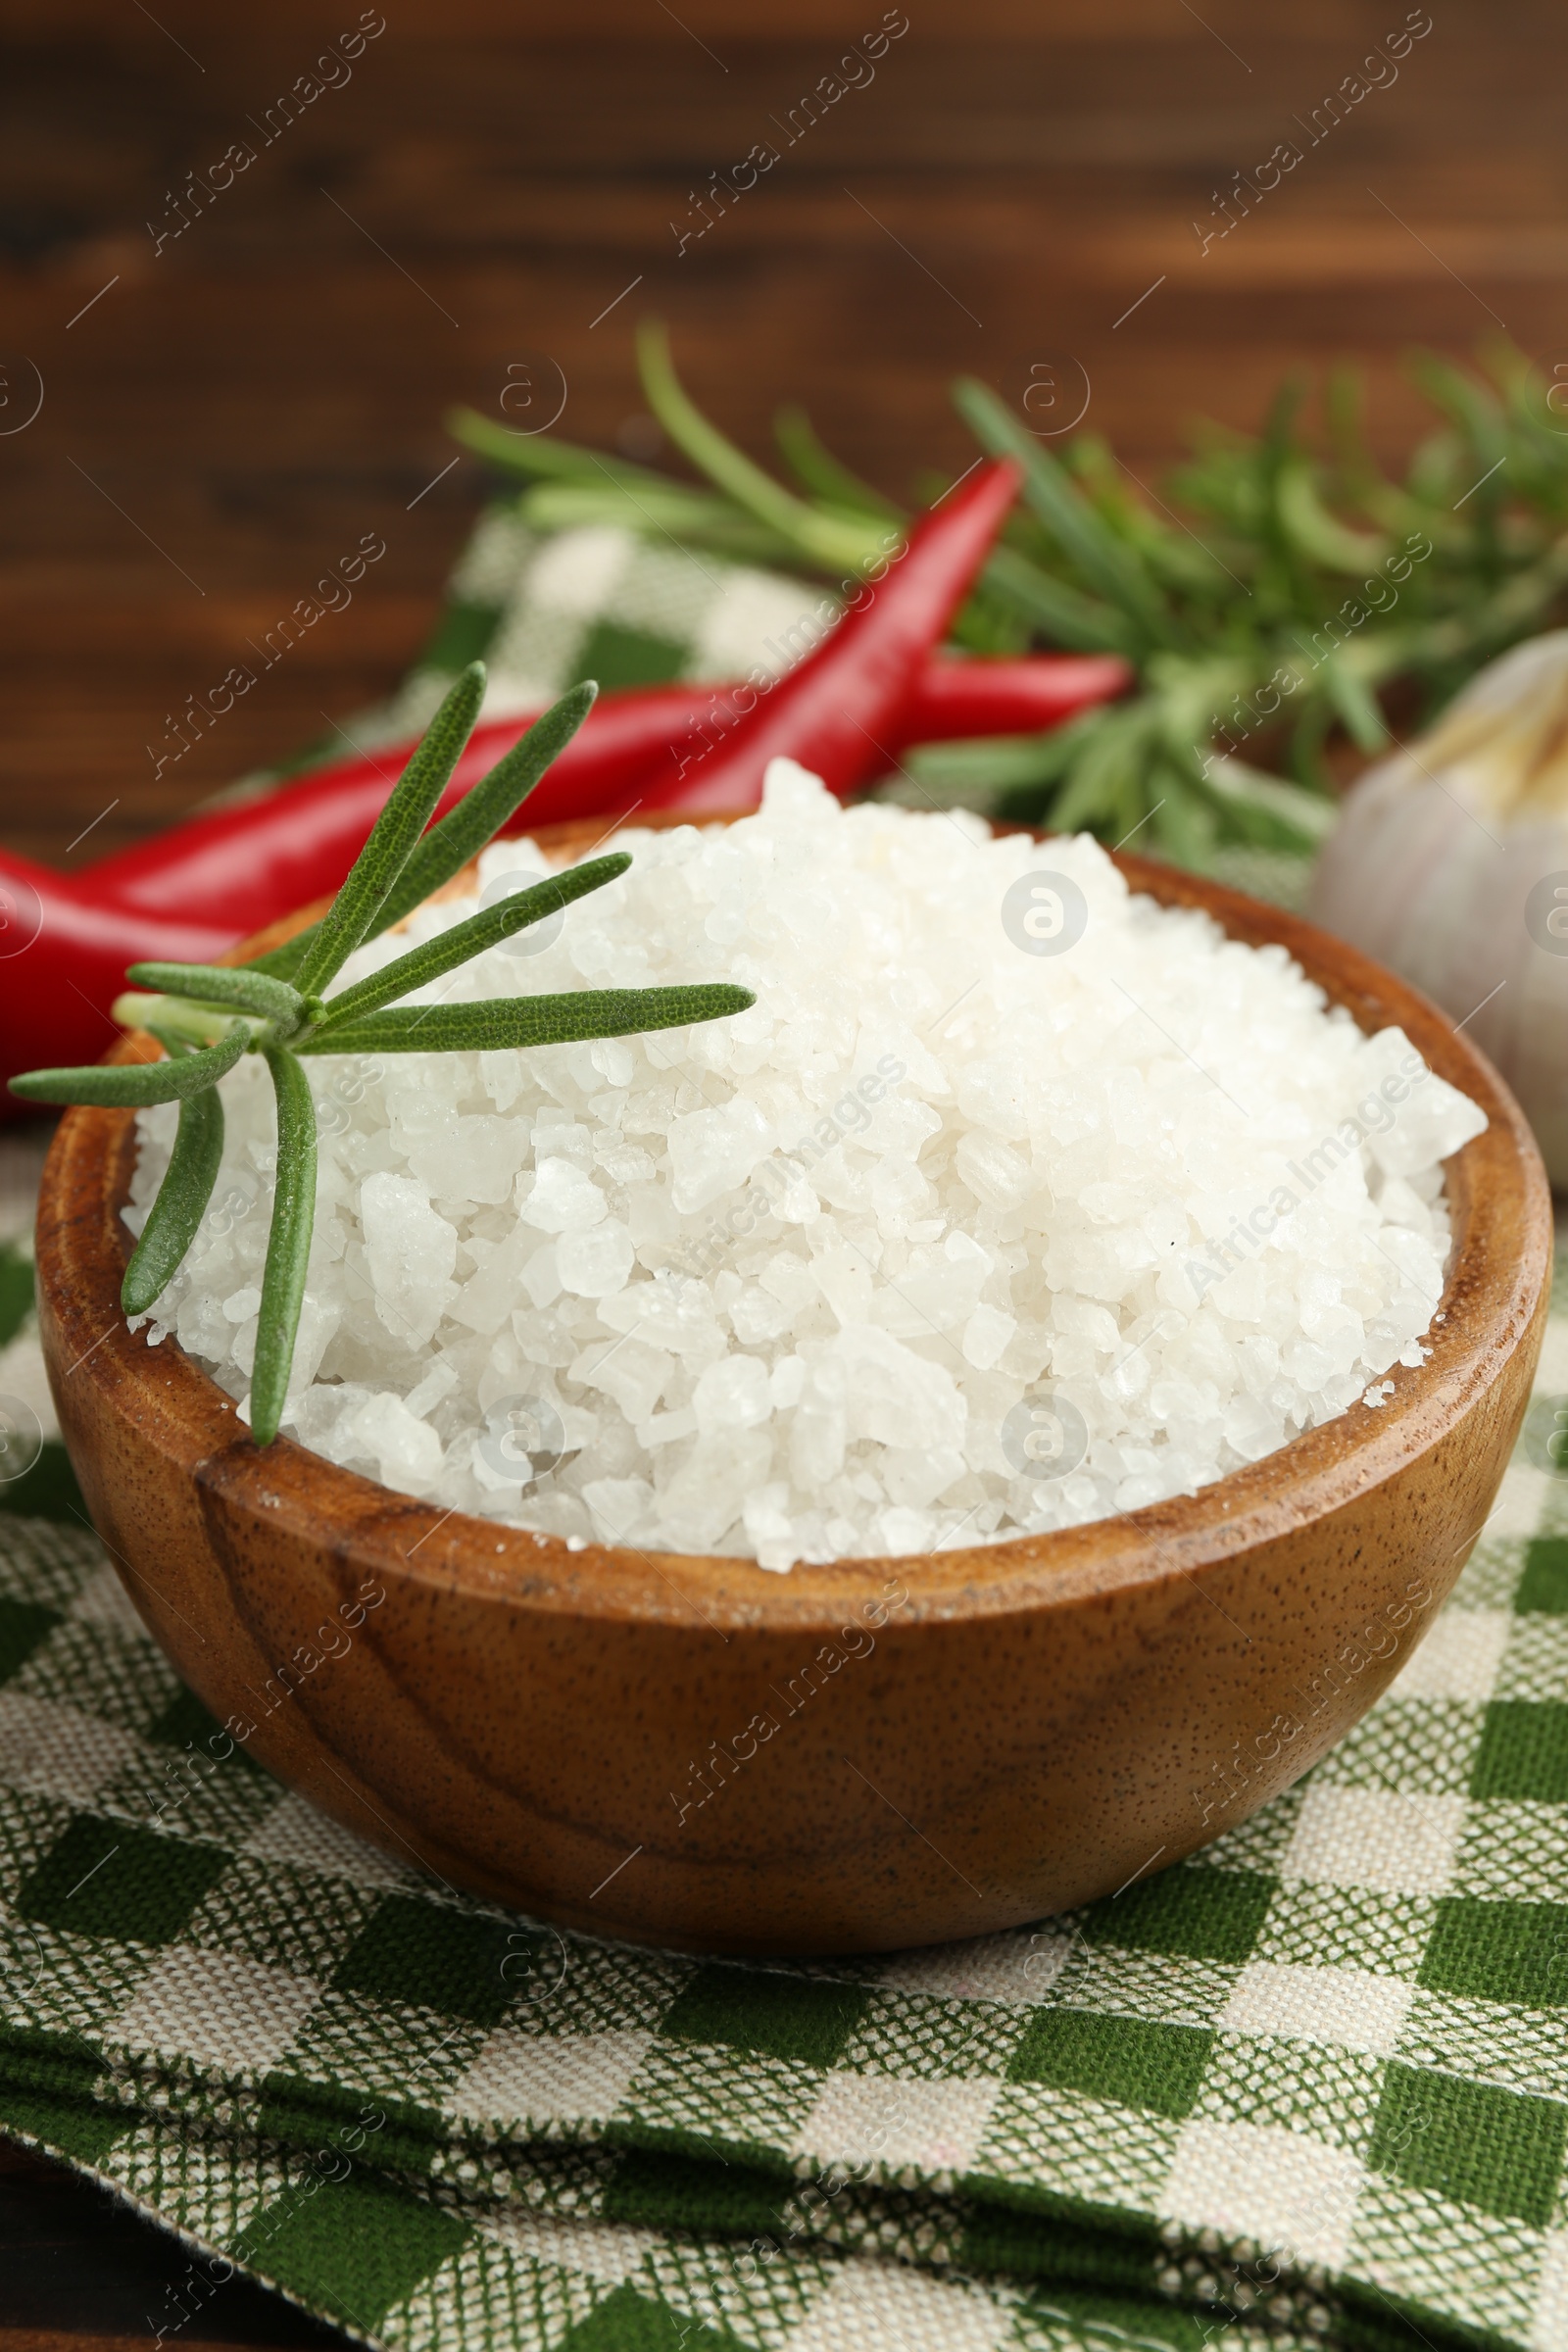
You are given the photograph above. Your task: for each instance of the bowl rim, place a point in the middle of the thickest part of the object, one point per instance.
(1502, 1216)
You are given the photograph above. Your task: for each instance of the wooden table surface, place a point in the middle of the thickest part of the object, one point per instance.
(1017, 186)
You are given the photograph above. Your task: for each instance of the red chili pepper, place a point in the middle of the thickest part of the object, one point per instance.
(951, 698)
(833, 710)
(959, 697)
(841, 711)
(258, 859)
(63, 957)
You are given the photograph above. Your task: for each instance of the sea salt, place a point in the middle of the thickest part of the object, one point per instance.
(1015, 1201)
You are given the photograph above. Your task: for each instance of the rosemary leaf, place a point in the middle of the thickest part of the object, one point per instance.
(129, 1085)
(1109, 753)
(704, 518)
(833, 538)
(1110, 564)
(544, 457)
(480, 816)
(358, 911)
(248, 990)
(992, 763)
(504, 1021)
(1319, 535)
(465, 940)
(1353, 706)
(1060, 612)
(1267, 810)
(818, 470)
(181, 1202)
(288, 1246)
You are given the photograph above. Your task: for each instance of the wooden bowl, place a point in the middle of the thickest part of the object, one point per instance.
(690, 1751)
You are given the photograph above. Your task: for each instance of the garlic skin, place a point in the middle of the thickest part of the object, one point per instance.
(1432, 866)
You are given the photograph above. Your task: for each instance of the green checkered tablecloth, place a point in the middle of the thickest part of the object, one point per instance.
(597, 603)
(1308, 2089)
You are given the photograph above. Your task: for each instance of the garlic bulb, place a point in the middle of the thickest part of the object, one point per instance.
(1449, 863)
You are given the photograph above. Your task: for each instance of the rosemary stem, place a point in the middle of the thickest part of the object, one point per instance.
(288, 1248)
(201, 1024)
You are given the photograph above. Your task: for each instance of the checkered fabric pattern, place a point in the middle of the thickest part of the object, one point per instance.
(1309, 2088)
(597, 603)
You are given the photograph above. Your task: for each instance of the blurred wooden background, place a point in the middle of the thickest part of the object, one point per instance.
(234, 410)
(224, 415)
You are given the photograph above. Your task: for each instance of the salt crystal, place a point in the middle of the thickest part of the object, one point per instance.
(666, 1429)
(618, 1506)
(732, 1393)
(768, 1527)
(593, 1262)
(992, 1170)
(986, 1336)
(781, 1284)
(895, 1396)
(438, 1382)
(472, 1159)
(900, 1529)
(562, 1199)
(411, 1251)
(633, 1375)
(540, 1278)
(710, 1151)
(384, 1435)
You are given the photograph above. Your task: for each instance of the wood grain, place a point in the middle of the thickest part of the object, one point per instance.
(263, 389)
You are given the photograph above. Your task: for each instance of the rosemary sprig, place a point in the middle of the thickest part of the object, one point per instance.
(206, 1017)
(1269, 595)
